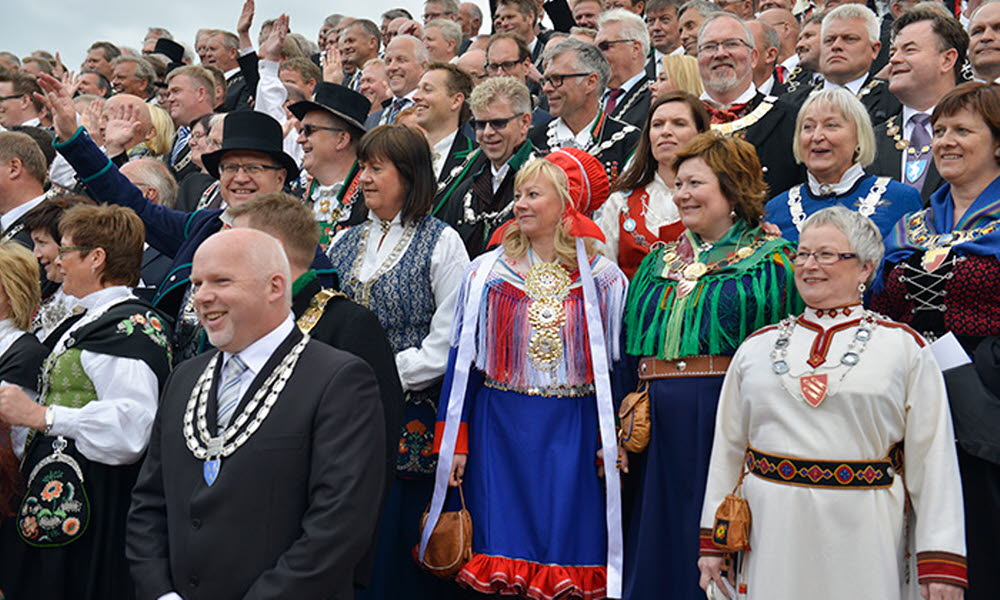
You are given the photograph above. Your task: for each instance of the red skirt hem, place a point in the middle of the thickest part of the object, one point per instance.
(513, 577)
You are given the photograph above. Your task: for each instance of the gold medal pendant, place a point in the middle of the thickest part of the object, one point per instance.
(547, 285)
(694, 271)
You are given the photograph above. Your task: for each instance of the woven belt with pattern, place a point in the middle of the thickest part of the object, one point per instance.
(701, 365)
(868, 474)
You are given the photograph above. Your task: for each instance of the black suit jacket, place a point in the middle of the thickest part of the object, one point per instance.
(461, 146)
(616, 138)
(874, 94)
(22, 362)
(633, 105)
(651, 65)
(889, 160)
(292, 511)
(155, 267)
(238, 94)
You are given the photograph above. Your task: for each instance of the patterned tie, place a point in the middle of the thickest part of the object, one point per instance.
(725, 115)
(228, 396)
(179, 144)
(394, 110)
(613, 94)
(918, 153)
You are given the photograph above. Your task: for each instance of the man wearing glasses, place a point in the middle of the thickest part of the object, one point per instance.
(250, 162)
(623, 39)
(576, 75)
(481, 197)
(726, 54)
(508, 56)
(332, 126)
(17, 104)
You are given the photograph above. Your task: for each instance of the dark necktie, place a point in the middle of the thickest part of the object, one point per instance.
(613, 94)
(918, 155)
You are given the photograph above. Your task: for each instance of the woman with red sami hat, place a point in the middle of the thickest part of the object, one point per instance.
(528, 385)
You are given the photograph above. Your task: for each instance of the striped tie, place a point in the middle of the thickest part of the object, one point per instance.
(179, 144)
(228, 396)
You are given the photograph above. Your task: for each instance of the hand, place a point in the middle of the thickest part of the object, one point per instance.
(17, 409)
(622, 461)
(457, 469)
(412, 28)
(122, 128)
(91, 120)
(711, 570)
(333, 70)
(246, 19)
(770, 228)
(58, 69)
(270, 48)
(59, 101)
(941, 591)
(73, 81)
(533, 75)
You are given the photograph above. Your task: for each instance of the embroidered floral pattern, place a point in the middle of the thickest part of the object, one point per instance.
(148, 324)
(57, 514)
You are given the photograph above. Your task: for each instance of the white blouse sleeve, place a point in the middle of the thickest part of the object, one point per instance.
(608, 222)
(115, 428)
(271, 93)
(420, 367)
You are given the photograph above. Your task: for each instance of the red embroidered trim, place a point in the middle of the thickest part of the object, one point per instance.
(509, 577)
(821, 345)
(706, 547)
(916, 336)
(461, 443)
(762, 330)
(942, 567)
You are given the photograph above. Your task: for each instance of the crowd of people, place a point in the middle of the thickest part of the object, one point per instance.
(276, 314)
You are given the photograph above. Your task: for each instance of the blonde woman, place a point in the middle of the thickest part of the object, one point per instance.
(680, 73)
(163, 126)
(525, 395)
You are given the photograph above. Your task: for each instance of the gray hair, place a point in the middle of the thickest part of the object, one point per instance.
(143, 69)
(155, 173)
(861, 232)
(449, 7)
(396, 13)
(160, 32)
(333, 20)
(632, 26)
(477, 13)
(703, 7)
(496, 89)
(588, 59)
(11, 57)
(853, 11)
(726, 15)
(658, 5)
(367, 27)
(771, 38)
(450, 30)
(853, 110)
(419, 49)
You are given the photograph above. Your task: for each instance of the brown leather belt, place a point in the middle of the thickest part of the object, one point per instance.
(701, 365)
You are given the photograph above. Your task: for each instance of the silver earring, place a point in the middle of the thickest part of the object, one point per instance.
(732, 214)
(861, 288)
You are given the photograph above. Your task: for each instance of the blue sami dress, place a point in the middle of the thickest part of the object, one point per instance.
(881, 199)
(540, 528)
(670, 320)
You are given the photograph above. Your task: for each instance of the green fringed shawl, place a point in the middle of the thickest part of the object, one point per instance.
(724, 307)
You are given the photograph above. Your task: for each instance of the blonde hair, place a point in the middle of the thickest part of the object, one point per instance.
(19, 281)
(163, 126)
(851, 109)
(682, 71)
(516, 244)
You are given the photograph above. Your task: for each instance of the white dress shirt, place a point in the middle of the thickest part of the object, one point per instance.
(11, 216)
(564, 136)
(424, 365)
(852, 86)
(847, 181)
(747, 95)
(626, 87)
(270, 100)
(115, 428)
(256, 355)
(439, 153)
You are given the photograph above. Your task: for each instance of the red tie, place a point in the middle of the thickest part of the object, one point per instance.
(782, 70)
(725, 115)
(609, 106)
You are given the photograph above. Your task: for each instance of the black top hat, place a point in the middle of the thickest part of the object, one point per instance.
(342, 102)
(255, 131)
(170, 49)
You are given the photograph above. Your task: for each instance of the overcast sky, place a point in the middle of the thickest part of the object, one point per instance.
(70, 26)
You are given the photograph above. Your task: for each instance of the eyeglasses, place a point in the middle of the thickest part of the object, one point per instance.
(557, 80)
(11, 97)
(308, 130)
(496, 124)
(251, 169)
(823, 257)
(502, 66)
(65, 249)
(606, 44)
(730, 45)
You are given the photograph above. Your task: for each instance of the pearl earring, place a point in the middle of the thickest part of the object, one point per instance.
(861, 288)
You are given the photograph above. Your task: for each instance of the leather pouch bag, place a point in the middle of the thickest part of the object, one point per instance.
(450, 545)
(732, 521)
(634, 417)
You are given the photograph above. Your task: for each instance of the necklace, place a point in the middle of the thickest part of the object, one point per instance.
(751, 119)
(547, 285)
(892, 130)
(202, 444)
(937, 245)
(693, 271)
(364, 293)
(814, 386)
(866, 205)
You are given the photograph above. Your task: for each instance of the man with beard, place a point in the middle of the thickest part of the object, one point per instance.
(726, 54)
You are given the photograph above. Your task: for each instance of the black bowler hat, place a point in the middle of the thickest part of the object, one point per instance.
(342, 102)
(255, 131)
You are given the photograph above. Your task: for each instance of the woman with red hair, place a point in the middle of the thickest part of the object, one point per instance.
(528, 387)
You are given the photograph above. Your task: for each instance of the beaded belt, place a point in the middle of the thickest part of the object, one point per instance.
(868, 474)
(700, 365)
(555, 391)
